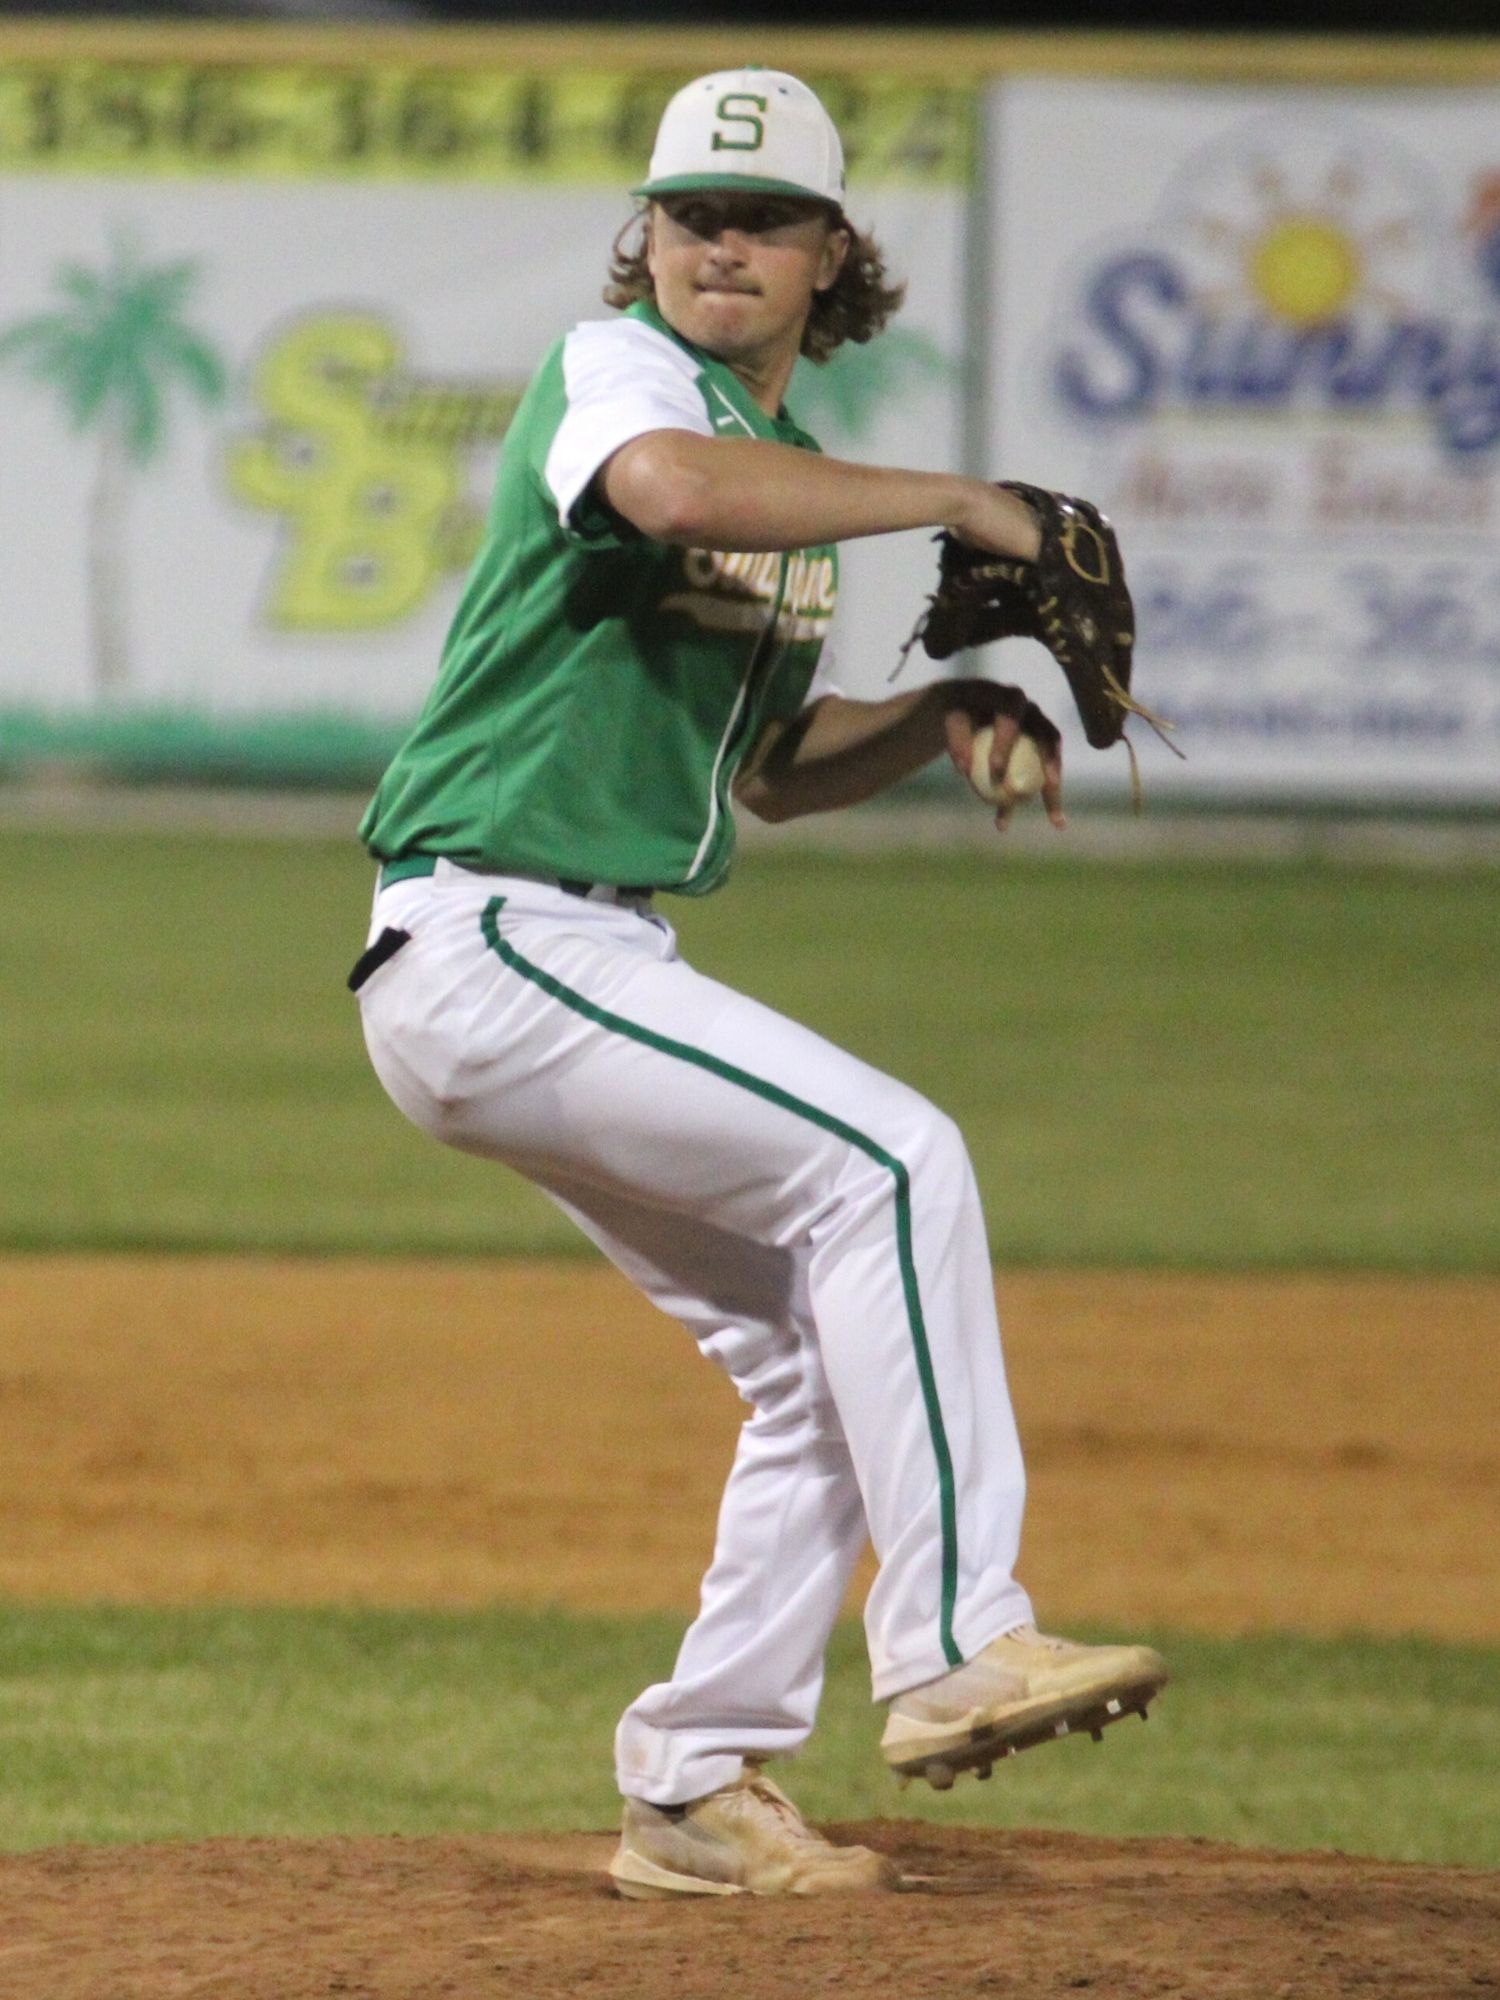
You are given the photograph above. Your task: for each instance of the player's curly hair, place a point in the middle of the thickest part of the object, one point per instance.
(855, 307)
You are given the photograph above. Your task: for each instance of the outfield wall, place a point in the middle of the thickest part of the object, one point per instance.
(268, 299)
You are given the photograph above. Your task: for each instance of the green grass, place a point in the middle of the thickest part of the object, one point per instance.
(161, 744)
(1208, 1065)
(123, 1725)
(1211, 1066)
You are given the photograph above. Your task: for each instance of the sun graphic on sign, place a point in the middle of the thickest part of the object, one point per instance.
(1308, 258)
(1305, 269)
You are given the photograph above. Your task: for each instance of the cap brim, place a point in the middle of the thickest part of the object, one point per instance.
(733, 184)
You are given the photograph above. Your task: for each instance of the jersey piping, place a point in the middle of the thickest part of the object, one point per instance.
(764, 650)
(731, 414)
(771, 1093)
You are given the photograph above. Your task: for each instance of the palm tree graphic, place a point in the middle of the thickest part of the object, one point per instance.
(847, 392)
(114, 350)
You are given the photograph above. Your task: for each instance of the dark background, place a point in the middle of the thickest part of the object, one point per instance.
(1390, 17)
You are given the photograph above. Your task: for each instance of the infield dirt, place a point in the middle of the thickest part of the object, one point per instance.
(990, 1916)
(1285, 1452)
(1290, 1452)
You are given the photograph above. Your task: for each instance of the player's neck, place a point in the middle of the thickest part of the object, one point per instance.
(764, 369)
(764, 375)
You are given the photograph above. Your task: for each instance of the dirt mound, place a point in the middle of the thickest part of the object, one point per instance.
(989, 1914)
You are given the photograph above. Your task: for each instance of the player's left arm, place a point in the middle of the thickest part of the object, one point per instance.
(839, 752)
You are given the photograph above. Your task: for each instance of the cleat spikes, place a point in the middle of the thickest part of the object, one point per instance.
(979, 1740)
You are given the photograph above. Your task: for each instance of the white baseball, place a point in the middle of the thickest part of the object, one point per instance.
(1024, 775)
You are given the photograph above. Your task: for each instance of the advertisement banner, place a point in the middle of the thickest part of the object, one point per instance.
(1261, 328)
(262, 330)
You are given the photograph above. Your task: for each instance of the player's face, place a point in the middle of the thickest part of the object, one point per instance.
(736, 273)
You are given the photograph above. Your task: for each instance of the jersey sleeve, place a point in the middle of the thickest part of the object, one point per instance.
(620, 380)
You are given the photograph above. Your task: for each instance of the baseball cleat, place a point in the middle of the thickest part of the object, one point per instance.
(1023, 1688)
(744, 1839)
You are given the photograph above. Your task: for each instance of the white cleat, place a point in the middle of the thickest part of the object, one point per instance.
(745, 1839)
(1023, 1688)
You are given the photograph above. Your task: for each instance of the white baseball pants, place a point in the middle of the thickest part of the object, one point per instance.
(815, 1226)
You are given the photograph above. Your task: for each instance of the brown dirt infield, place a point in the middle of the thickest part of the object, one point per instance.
(1225, 1454)
(1314, 1453)
(1044, 1916)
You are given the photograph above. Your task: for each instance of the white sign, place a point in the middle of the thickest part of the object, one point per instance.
(1261, 329)
(251, 406)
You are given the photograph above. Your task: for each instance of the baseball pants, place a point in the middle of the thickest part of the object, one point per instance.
(814, 1225)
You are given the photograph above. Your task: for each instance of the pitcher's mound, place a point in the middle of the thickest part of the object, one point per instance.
(989, 1914)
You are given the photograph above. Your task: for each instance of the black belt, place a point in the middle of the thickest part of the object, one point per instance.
(634, 892)
(411, 867)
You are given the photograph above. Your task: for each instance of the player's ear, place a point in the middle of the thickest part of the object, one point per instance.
(835, 251)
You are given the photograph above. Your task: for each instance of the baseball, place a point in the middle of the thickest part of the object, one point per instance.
(1024, 776)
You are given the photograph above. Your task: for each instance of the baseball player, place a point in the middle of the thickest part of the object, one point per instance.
(637, 649)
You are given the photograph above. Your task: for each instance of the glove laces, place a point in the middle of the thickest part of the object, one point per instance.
(1128, 704)
(911, 639)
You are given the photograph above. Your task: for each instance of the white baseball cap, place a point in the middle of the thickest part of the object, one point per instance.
(756, 129)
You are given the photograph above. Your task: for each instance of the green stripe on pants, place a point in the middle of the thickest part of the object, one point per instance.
(770, 1094)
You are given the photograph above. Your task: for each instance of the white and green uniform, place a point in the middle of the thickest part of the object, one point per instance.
(813, 1223)
(599, 690)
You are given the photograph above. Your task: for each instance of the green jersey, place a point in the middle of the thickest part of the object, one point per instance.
(599, 690)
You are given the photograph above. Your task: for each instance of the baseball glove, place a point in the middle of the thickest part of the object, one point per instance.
(1073, 598)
